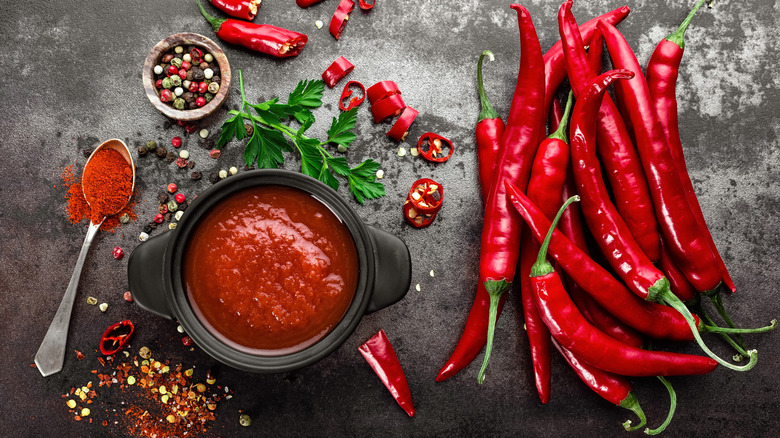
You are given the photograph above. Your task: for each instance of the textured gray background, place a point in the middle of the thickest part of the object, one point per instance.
(72, 78)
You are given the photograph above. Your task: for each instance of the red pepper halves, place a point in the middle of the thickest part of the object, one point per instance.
(575, 333)
(500, 242)
(244, 9)
(379, 353)
(339, 20)
(116, 337)
(263, 38)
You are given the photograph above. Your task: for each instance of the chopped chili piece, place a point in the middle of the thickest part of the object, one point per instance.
(355, 101)
(340, 18)
(401, 126)
(426, 196)
(416, 219)
(244, 9)
(388, 107)
(434, 151)
(366, 6)
(379, 353)
(306, 3)
(116, 337)
(336, 71)
(382, 89)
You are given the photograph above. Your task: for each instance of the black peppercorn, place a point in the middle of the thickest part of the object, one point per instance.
(183, 206)
(189, 96)
(249, 129)
(142, 151)
(215, 78)
(192, 105)
(191, 164)
(196, 176)
(161, 151)
(147, 229)
(171, 157)
(167, 216)
(213, 177)
(162, 197)
(197, 74)
(153, 224)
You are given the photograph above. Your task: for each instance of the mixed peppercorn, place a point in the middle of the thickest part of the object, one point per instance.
(187, 77)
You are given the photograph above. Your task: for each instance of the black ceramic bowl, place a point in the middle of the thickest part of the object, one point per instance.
(155, 272)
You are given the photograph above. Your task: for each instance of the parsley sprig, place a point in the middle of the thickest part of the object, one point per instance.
(271, 137)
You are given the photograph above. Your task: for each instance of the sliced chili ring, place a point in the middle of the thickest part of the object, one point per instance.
(426, 196)
(388, 107)
(416, 219)
(336, 71)
(355, 101)
(401, 126)
(339, 20)
(116, 337)
(366, 6)
(382, 89)
(435, 150)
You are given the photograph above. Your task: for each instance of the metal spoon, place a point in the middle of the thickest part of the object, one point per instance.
(51, 354)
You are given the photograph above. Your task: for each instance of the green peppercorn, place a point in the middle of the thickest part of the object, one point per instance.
(179, 103)
(208, 97)
(172, 205)
(176, 62)
(124, 218)
(167, 84)
(245, 420)
(151, 145)
(175, 80)
(213, 88)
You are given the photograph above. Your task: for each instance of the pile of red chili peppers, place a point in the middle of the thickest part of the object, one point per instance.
(625, 166)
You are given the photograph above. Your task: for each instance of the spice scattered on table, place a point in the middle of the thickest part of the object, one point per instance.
(118, 253)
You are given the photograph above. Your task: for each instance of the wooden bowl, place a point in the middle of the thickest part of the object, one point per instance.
(184, 39)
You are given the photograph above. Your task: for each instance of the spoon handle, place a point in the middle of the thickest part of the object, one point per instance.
(51, 354)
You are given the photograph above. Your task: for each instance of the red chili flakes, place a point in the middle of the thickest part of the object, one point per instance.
(79, 355)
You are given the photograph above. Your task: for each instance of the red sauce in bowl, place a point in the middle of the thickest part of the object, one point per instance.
(270, 270)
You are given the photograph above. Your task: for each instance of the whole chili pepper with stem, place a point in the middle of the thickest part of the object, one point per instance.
(263, 38)
(379, 353)
(615, 148)
(594, 279)
(548, 175)
(569, 327)
(687, 240)
(612, 387)
(622, 252)
(490, 128)
(554, 63)
(501, 229)
(244, 9)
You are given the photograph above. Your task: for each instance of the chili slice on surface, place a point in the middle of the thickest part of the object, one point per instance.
(416, 219)
(388, 107)
(339, 20)
(306, 3)
(435, 147)
(116, 337)
(400, 128)
(379, 353)
(336, 71)
(244, 9)
(426, 196)
(355, 101)
(263, 38)
(366, 6)
(380, 90)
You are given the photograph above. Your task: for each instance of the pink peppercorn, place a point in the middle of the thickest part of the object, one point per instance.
(172, 70)
(176, 142)
(203, 87)
(193, 87)
(183, 74)
(159, 218)
(190, 128)
(179, 197)
(128, 297)
(158, 83)
(215, 153)
(172, 188)
(200, 101)
(187, 341)
(166, 95)
(117, 253)
(185, 65)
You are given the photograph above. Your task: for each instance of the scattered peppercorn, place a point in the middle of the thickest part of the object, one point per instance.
(162, 198)
(171, 157)
(143, 237)
(128, 296)
(196, 176)
(245, 420)
(172, 188)
(191, 127)
(183, 206)
(223, 174)
(103, 307)
(124, 218)
(215, 153)
(213, 177)
(142, 151)
(190, 164)
(172, 226)
(167, 216)
(158, 218)
(118, 253)
(151, 145)
(161, 152)
(163, 207)
(172, 206)
(187, 341)
(184, 154)
(176, 142)
(181, 162)
(179, 197)
(91, 301)
(148, 228)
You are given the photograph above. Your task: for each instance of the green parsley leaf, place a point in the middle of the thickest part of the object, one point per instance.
(232, 128)
(362, 181)
(340, 131)
(307, 93)
(270, 145)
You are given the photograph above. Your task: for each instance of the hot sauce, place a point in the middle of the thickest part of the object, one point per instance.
(270, 269)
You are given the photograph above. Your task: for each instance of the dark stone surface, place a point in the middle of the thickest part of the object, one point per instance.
(72, 79)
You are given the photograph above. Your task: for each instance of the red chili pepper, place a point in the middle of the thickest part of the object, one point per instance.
(548, 175)
(490, 128)
(339, 20)
(388, 107)
(366, 6)
(612, 387)
(677, 281)
(336, 71)
(381, 90)
(613, 142)
(416, 219)
(595, 51)
(431, 147)
(355, 101)
(426, 196)
(379, 353)
(595, 280)
(306, 3)
(687, 241)
(244, 9)
(569, 327)
(400, 128)
(501, 228)
(263, 38)
(116, 337)
(554, 62)
(662, 72)
(556, 116)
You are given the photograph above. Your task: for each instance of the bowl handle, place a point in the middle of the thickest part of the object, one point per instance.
(393, 270)
(145, 275)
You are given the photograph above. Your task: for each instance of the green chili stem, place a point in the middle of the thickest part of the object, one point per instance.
(632, 404)
(670, 299)
(216, 23)
(716, 329)
(560, 133)
(672, 408)
(542, 266)
(718, 303)
(487, 111)
(708, 321)
(492, 316)
(678, 37)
